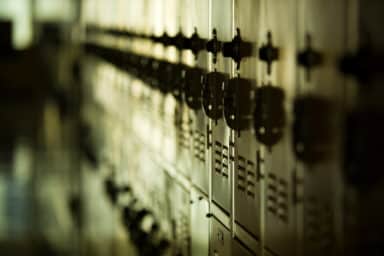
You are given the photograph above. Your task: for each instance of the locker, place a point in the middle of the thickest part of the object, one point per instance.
(247, 188)
(199, 121)
(168, 102)
(363, 186)
(199, 223)
(320, 83)
(242, 105)
(182, 116)
(180, 216)
(221, 22)
(277, 37)
(220, 239)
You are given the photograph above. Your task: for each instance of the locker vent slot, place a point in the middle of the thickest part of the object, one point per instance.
(246, 176)
(221, 162)
(182, 232)
(251, 179)
(318, 219)
(277, 197)
(184, 135)
(199, 146)
(217, 156)
(224, 162)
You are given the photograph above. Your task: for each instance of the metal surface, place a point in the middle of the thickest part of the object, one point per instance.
(247, 187)
(322, 180)
(221, 171)
(278, 19)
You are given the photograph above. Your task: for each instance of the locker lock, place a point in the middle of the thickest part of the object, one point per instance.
(131, 62)
(214, 46)
(179, 41)
(139, 235)
(107, 54)
(238, 103)
(177, 80)
(313, 129)
(213, 94)
(154, 38)
(146, 69)
(152, 73)
(164, 76)
(268, 53)
(144, 64)
(135, 218)
(161, 247)
(363, 65)
(269, 115)
(129, 212)
(113, 191)
(363, 147)
(126, 61)
(237, 49)
(114, 57)
(145, 239)
(165, 39)
(309, 58)
(193, 87)
(195, 43)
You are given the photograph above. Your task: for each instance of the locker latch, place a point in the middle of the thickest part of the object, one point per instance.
(313, 128)
(152, 77)
(238, 103)
(309, 58)
(177, 80)
(268, 53)
(237, 49)
(363, 147)
(363, 65)
(146, 65)
(213, 94)
(193, 87)
(269, 115)
(164, 76)
(196, 43)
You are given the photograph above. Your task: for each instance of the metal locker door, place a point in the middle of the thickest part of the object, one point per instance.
(362, 145)
(185, 59)
(320, 94)
(220, 239)
(199, 121)
(199, 224)
(221, 21)
(168, 105)
(247, 189)
(156, 27)
(179, 207)
(277, 39)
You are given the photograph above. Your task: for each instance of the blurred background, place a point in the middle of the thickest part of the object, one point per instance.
(40, 96)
